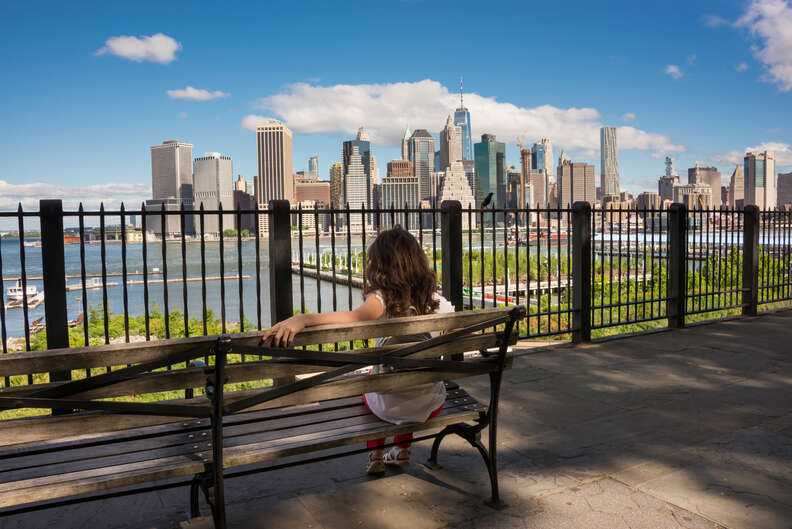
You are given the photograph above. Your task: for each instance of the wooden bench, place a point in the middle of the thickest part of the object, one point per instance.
(99, 446)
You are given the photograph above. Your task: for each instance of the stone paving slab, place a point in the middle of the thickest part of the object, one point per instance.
(407, 501)
(680, 429)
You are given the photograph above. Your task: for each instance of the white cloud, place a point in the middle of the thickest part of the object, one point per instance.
(674, 71)
(251, 121)
(691, 59)
(771, 22)
(714, 21)
(385, 109)
(196, 94)
(91, 196)
(783, 154)
(629, 116)
(741, 66)
(155, 48)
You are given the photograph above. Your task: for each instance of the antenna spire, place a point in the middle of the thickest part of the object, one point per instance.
(461, 101)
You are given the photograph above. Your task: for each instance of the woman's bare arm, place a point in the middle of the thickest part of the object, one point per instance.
(283, 332)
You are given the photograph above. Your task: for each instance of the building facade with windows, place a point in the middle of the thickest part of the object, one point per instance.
(542, 158)
(490, 158)
(397, 191)
(450, 145)
(213, 188)
(420, 151)
(694, 196)
(455, 187)
(356, 188)
(784, 190)
(709, 176)
(576, 182)
(275, 179)
(736, 188)
(462, 120)
(172, 188)
(609, 162)
(759, 178)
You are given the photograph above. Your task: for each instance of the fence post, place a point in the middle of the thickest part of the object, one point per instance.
(677, 271)
(451, 242)
(581, 272)
(54, 274)
(750, 271)
(280, 280)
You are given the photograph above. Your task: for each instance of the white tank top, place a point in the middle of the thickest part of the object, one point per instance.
(415, 403)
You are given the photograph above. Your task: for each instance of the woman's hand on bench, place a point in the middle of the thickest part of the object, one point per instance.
(283, 332)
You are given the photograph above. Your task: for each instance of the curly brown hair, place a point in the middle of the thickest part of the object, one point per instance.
(397, 266)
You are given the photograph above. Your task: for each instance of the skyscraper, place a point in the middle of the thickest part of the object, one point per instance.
(450, 145)
(709, 176)
(213, 186)
(455, 187)
(171, 170)
(275, 179)
(609, 162)
(542, 158)
(313, 167)
(240, 184)
(759, 175)
(355, 187)
(665, 187)
(405, 139)
(171, 186)
(336, 185)
(399, 169)
(462, 120)
(363, 143)
(575, 182)
(420, 151)
(540, 188)
(736, 188)
(784, 189)
(399, 188)
(490, 157)
(513, 181)
(525, 177)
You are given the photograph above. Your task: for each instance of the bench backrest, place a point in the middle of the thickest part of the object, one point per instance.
(247, 362)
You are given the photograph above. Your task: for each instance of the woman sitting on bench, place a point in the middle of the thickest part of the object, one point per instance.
(399, 283)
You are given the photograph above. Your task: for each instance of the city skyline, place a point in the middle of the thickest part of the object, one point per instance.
(665, 98)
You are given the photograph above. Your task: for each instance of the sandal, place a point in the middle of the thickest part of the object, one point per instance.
(375, 465)
(397, 457)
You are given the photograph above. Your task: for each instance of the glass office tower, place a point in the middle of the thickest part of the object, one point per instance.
(462, 120)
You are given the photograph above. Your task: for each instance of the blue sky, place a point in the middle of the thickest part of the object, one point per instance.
(77, 124)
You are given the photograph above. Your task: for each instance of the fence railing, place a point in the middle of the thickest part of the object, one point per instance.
(581, 273)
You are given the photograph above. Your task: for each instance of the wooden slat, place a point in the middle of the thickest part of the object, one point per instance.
(259, 370)
(95, 480)
(33, 429)
(126, 451)
(181, 428)
(396, 326)
(131, 353)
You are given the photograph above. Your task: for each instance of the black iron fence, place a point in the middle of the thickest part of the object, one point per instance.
(581, 273)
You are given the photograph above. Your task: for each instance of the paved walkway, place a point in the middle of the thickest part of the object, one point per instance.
(678, 429)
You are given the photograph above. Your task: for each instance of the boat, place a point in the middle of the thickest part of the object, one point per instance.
(32, 302)
(14, 292)
(32, 244)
